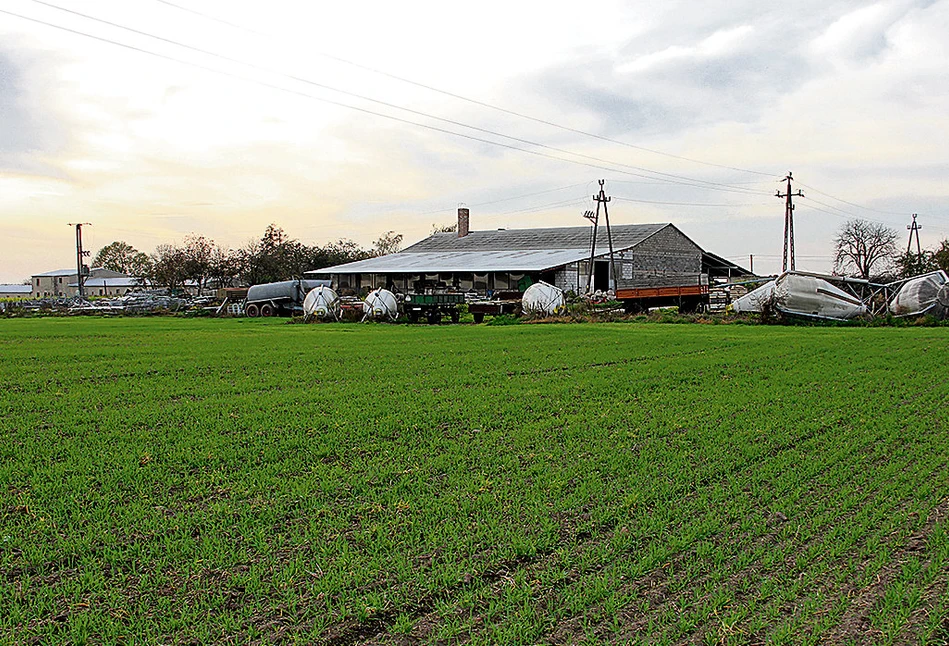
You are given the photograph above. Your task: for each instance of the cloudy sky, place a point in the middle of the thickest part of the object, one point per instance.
(332, 120)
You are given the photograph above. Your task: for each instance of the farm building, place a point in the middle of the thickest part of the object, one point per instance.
(64, 282)
(15, 291)
(103, 286)
(645, 256)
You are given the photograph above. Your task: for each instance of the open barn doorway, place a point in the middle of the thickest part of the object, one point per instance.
(601, 275)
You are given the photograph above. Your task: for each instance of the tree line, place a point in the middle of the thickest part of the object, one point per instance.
(201, 261)
(869, 250)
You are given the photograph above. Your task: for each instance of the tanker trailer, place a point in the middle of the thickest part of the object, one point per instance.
(283, 298)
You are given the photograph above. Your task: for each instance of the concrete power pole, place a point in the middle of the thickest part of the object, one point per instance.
(80, 254)
(914, 231)
(788, 222)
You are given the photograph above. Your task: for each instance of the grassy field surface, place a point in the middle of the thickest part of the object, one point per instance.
(247, 481)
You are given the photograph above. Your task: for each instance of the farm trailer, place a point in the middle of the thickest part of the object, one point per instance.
(433, 307)
(688, 298)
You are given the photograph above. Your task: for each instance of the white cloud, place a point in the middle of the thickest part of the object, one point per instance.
(722, 42)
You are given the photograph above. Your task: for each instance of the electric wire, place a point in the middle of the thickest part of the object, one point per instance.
(336, 103)
(697, 183)
(859, 206)
(468, 99)
(630, 199)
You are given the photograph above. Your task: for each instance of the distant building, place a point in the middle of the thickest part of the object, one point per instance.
(65, 282)
(115, 286)
(15, 291)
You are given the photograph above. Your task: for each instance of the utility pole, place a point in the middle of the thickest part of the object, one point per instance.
(80, 254)
(751, 262)
(914, 230)
(595, 219)
(788, 222)
(601, 198)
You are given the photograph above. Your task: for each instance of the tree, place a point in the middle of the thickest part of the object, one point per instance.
(167, 267)
(444, 228)
(389, 242)
(197, 256)
(863, 247)
(122, 257)
(911, 264)
(225, 267)
(336, 253)
(941, 255)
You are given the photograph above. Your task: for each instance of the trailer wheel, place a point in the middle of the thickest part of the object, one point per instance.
(252, 310)
(413, 316)
(479, 317)
(434, 316)
(455, 315)
(267, 310)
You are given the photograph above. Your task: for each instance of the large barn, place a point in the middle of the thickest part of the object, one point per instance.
(645, 256)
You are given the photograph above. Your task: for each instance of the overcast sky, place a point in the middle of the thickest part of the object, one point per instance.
(852, 97)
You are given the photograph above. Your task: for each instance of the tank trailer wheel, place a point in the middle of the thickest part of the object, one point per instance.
(252, 310)
(267, 310)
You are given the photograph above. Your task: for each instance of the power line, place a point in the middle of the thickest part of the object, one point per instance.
(698, 183)
(629, 199)
(509, 199)
(468, 99)
(329, 101)
(859, 206)
(541, 207)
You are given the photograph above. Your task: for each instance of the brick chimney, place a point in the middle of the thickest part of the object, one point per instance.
(462, 222)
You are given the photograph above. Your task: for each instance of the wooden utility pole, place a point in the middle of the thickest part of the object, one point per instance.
(788, 222)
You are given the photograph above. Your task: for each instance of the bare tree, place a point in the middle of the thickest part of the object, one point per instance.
(862, 247)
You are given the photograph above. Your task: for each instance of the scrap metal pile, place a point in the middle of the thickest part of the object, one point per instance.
(836, 298)
(134, 303)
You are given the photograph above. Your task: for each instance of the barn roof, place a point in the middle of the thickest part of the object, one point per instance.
(15, 289)
(500, 250)
(57, 272)
(116, 281)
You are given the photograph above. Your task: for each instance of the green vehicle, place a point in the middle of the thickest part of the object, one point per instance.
(433, 307)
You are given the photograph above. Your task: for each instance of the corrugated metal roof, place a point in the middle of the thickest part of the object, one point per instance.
(15, 289)
(460, 261)
(117, 281)
(58, 272)
(501, 250)
(624, 236)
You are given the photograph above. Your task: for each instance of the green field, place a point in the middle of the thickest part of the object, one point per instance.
(246, 481)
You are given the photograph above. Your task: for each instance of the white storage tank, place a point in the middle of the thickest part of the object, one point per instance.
(926, 294)
(543, 299)
(380, 304)
(321, 302)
